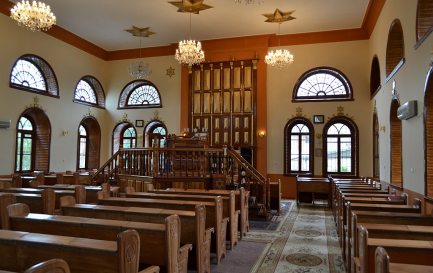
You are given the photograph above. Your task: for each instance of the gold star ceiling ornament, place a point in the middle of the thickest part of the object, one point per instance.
(279, 16)
(140, 31)
(279, 58)
(191, 6)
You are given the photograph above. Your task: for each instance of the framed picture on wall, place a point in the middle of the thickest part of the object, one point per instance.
(139, 123)
(317, 119)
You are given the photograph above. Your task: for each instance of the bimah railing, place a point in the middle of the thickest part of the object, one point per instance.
(186, 163)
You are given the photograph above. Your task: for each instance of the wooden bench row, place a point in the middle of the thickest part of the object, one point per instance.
(366, 221)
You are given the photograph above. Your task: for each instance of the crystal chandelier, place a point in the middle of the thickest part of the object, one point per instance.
(189, 51)
(140, 69)
(36, 16)
(279, 58)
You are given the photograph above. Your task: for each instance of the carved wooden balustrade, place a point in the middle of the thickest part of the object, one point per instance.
(186, 164)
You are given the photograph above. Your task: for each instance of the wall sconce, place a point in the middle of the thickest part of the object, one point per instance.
(65, 132)
(319, 136)
(262, 133)
(382, 128)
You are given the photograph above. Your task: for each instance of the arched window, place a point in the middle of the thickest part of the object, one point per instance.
(340, 147)
(124, 136)
(376, 155)
(298, 146)
(33, 141)
(322, 84)
(83, 146)
(394, 49)
(25, 145)
(129, 138)
(139, 94)
(155, 130)
(396, 164)
(32, 73)
(424, 20)
(89, 91)
(428, 133)
(374, 77)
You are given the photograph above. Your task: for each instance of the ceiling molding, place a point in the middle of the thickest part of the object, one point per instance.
(257, 42)
(64, 35)
(372, 15)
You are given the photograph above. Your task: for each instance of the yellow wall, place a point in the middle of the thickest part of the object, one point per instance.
(352, 58)
(410, 80)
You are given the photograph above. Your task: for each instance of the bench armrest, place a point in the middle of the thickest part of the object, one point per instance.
(183, 258)
(150, 269)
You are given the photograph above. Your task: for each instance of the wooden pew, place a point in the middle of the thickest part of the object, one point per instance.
(78, 192)
(159, 243)
(402, 251)
(50, 266)
(383, 264)
(91, 191)
(214, 213)
(349, 225)
(228, 206)
(241, 196)
(374, 217)
(12, 180)
(21, 250)
(38, 203)
(193, 223)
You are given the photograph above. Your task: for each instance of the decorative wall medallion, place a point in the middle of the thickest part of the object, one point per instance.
(170, 72)
(340, 111)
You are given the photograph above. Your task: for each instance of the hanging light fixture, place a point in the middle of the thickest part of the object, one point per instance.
(36, 16)
(190, 52)
(140, 69)
(279, 58)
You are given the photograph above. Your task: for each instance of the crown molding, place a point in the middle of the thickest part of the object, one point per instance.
(228, 44)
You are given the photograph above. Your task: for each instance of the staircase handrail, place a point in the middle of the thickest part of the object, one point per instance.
(250, 169)
(106, 164)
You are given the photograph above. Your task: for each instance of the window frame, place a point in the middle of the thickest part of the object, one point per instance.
(47, 72)
(20, 156)
(326, 70)
(86, 155)
(148, 132)
(130, 88)
(354, 147)
(122, 137)
(287, 146)
(97, 89)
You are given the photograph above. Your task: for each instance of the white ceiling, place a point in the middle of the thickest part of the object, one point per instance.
(102, 22)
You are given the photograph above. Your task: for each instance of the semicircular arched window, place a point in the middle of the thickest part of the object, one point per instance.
(322, 84)
(89, 91)
(139, 94)
(32, 73)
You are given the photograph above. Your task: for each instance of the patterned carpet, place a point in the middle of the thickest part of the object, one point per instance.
(304, 242)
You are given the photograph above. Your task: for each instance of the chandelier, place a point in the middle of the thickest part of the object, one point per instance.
(35, 16)
(140, 69)
(279, 58)
(189, 52)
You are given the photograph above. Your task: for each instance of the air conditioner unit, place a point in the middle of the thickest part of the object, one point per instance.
(407, 110)
(4, 124)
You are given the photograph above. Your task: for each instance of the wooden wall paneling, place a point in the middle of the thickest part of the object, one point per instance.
(428, 134)
(424, 20)
(395, 47)
(396, 146)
